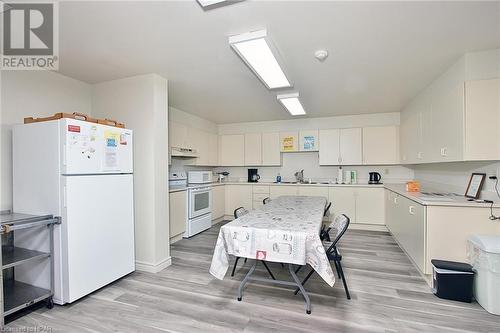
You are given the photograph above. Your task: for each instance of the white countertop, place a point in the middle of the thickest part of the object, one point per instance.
(184, 188)
(450, 200)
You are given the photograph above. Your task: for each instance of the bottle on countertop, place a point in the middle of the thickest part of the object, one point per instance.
(340, 176)
(278, 178)
(354, 177)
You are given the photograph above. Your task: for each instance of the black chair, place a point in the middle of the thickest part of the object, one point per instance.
(323, 234)
(266, 200)
(238, 212)
(340, 225)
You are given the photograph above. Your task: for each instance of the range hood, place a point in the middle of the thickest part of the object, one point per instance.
(183, 152)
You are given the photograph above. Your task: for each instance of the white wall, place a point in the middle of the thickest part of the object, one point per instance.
(482, 65)
(33, 94)
(454, 177)
(292, 162)
(142, 103)
(188, 119)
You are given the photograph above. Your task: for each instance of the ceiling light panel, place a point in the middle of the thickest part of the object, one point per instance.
(292, 104)
(257, 52)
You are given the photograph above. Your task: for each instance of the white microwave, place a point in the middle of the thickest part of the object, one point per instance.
(199, 177)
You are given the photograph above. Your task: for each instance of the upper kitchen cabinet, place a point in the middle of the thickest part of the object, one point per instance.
(289, 141)
(381, 145)
(453, 119)
(253, 149)
(232, 150)
(350, 146)
(213, 149)
(271, 149)
(308, 140)
(201, 143)
(178, 135)
(340, 146)
(482, 118)
(329, 147)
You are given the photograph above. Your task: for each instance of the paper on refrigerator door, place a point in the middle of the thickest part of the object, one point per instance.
(111, 140)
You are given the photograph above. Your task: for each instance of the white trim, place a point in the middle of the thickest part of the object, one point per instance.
(247, 36)
(153, 268)
(176, 238)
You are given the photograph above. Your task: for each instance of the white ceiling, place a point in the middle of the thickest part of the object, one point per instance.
(381, 53)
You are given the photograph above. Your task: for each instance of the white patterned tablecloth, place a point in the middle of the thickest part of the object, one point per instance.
(285, 230)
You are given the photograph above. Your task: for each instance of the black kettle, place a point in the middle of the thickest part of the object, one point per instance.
(375, 178)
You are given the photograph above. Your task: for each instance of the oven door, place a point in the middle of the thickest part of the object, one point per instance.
(200, 201)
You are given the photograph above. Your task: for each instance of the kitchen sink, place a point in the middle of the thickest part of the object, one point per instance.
(304, 183)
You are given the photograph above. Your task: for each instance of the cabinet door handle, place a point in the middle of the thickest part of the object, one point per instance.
(411, 210)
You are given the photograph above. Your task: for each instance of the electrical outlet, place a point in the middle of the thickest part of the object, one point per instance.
(386, 171)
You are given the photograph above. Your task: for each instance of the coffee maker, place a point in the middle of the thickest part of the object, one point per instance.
(375, 178)
(253, 177)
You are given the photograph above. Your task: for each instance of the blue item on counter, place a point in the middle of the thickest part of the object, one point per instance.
(278, 178)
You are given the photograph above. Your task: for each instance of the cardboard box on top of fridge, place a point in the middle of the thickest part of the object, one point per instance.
(77, 116)
(60, 115)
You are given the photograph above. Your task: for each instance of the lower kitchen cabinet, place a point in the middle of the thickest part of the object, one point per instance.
(411, 221)
(278, 190)
(361, 204)
(435, 232)
(218, 201)
(178, 213)
(370, 207)
(314, 191)
(406, 220)
(343, 201)
(238, 196)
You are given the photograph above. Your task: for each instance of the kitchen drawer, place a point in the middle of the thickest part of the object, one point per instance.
(261, 189)
(260, 196)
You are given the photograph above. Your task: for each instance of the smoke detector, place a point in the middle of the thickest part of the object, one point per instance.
(321, 55)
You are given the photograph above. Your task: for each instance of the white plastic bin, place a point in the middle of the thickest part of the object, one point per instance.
(484, 255)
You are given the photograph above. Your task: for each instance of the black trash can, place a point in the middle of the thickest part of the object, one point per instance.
(452, 280)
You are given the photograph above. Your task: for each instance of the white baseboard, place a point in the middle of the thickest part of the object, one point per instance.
(369, 227)
(153, 268)
(176, 238)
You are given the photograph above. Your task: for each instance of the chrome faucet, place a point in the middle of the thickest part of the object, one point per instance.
(299, 176)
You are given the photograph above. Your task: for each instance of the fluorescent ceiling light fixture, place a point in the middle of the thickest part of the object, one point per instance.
(257, 52)
(292, 104)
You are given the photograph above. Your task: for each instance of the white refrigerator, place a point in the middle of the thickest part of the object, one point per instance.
(82, 172)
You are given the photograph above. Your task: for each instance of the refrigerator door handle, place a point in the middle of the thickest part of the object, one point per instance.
(64, 197)
(64, 155)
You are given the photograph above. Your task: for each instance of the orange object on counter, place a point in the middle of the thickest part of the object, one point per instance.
(413, 186)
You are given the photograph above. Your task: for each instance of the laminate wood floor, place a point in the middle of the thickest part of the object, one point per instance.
(388, 295)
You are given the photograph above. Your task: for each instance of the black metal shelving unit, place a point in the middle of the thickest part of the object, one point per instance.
(16, 295)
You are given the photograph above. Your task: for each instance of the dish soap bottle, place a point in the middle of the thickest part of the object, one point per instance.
(340, 175)
(278, 178)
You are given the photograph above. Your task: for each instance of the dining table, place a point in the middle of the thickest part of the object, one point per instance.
(285, 230)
